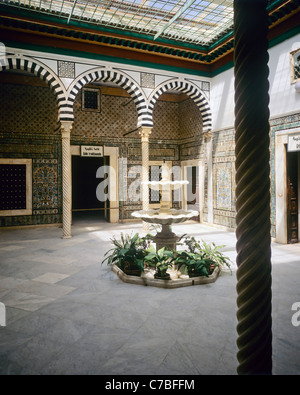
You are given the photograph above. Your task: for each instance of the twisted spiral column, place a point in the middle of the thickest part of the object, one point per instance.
(145, 133)
(252, 187)
(66, 178)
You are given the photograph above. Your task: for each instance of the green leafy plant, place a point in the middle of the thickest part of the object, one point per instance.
(128, 253)
(194, 264)
(162, 260)
(201, 258)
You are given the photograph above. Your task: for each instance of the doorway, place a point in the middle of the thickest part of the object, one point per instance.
(292, 167)
(193, 190)
(193, 197)
(85, 204)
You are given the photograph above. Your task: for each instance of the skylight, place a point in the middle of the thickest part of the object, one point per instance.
(202, 22)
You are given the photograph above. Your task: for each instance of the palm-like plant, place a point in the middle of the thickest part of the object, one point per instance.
(162, 260)
(194, 264)
(201, 257)
(128, 252)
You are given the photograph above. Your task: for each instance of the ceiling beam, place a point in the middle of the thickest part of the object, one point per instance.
(70, 15)
(179, 13)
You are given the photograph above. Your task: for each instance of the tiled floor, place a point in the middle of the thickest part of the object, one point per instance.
(68, 314)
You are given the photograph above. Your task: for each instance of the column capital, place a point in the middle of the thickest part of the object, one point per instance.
(207, 136)
(145, 132)
(66, 127)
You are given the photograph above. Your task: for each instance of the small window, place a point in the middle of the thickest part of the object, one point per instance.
(295, 66)
(91, 100)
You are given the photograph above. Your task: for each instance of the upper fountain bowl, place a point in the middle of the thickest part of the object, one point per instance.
(165, 184)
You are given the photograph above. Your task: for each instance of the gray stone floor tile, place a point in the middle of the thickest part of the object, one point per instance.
(10, 282)
(13, 314)
(33, 324)
(25, 301)
(80, 359)
(68, 314)
(51, 278)
(35, 353)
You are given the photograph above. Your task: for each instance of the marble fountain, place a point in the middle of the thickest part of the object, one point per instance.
(166, 217)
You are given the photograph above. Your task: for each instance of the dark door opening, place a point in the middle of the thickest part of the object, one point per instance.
(292, 197)
(193, 190)
(85, 204)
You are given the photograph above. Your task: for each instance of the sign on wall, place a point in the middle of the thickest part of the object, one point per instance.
(91, 150)
(294, 143)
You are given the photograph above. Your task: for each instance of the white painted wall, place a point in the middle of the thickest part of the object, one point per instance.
(222, 100)
(283, 97)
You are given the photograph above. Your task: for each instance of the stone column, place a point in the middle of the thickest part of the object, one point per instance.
(66, 178)
(252, 187)
(145, 133)
(210, 214)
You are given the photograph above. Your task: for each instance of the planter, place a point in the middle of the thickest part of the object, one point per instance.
(212, 268)
(170, 284)
(165, 276)
(194, 274)
(132, 271)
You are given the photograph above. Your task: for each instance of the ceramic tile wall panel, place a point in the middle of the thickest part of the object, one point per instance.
(166, 121)
(27, 109)
(224, 178)
(190, 119)
(66, 69)
(29, 129)
(147, 80)
(45, 186)
(177, 120)
(224, 165)
(117, 116)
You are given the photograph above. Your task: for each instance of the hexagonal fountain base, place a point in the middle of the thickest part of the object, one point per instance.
(176, 283)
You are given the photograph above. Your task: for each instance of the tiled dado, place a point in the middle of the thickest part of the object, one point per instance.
(154, 153)
(28, 220)
(45, 189)
(225, 218)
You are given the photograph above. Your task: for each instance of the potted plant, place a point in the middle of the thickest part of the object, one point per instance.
(194, 264)
(162, 260)
(128, 253)
(201, 258)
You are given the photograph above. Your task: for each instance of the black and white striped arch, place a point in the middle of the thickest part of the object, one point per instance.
(42, 71)
(192, 91)
(120, 79)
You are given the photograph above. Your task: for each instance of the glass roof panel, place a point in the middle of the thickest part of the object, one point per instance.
(193, 21)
